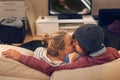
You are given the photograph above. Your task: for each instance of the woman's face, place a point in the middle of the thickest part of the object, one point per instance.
(68, 44)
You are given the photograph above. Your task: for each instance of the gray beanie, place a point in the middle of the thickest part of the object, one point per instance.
(90, 37)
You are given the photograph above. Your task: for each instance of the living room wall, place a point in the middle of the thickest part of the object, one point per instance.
(35, 8)
(96, 5)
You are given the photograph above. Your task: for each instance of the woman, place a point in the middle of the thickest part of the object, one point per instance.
(58, 45)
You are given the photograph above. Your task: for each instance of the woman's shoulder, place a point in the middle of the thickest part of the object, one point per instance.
(39, 52)
(39, 49)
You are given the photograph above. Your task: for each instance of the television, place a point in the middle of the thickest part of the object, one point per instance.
(69, 9)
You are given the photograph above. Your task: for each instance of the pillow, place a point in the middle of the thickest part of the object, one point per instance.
(107, 71)
(13, 78)
(12, 68)
(20, 49)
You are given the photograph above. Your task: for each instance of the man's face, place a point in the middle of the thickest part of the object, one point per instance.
(78, 48)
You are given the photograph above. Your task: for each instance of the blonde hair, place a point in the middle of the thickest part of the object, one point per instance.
(55, 42)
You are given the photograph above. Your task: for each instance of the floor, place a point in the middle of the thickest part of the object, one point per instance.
(29, 37)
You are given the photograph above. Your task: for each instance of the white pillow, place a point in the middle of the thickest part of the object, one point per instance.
(12, 68)
(20, 49)
(14, 78)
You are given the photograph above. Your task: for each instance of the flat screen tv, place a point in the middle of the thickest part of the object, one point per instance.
(69, 9)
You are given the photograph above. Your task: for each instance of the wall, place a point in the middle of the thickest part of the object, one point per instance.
(36, 8)
(41, 7)
(98, 4)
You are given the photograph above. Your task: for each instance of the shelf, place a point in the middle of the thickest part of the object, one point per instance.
(54, 24)
(69, 25)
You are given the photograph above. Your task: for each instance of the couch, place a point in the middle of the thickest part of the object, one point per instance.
(13, 70)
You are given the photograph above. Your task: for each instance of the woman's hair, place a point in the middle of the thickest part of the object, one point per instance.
(55, 42)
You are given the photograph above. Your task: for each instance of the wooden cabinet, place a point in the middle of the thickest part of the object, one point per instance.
(51, 24)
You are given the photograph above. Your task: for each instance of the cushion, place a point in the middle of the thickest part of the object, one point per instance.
(12, 68)
(13, 78)
(107, 71)
(20, 49)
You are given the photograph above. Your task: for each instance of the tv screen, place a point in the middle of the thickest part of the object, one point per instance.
(69, 8)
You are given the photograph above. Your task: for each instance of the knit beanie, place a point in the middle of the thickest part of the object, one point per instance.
(90, 37)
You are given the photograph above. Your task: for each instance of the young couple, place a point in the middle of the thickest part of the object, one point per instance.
(87, 41)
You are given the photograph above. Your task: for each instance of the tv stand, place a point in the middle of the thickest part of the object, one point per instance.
(51, 24)
(69, 17)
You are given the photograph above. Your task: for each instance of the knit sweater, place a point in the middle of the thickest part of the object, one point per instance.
(85, 61)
